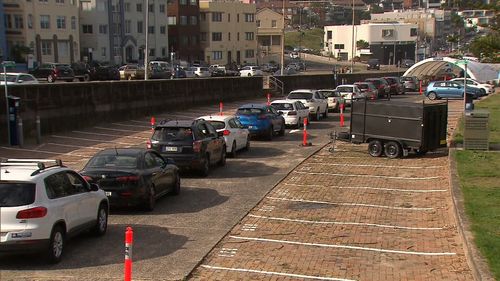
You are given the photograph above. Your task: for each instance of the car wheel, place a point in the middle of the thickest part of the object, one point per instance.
(325, 115)
(102, 220)
(222, 161)
(317, 117)
(483, 92)
(233, 150)
(129, 78)
(299, 122)
(56, 244)
(375, 148)
(270, 133)
(205, 167)
(392, 150)
(86, 78)
(249, 74)
(247, 147)
(177, 185)
(432, 96)
(151, 200)
(282, 130)
(420, 152)
(51, 79)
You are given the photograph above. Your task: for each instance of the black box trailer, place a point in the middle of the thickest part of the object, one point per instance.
(396, 128)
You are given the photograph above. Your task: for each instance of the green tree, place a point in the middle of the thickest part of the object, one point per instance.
(487, 47)
(362, 44)
(18, 53)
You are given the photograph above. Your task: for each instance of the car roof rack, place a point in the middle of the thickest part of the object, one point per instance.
(41, 164)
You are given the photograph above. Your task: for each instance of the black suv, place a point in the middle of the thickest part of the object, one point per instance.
(191, 144)
(373, 64)
(53, 72)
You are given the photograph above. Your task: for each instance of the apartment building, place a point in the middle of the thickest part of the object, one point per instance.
(269, 35)
(48, 27)
(228, 32)
(184, 30)
(4, 52)
(477, 17)
(115, 30)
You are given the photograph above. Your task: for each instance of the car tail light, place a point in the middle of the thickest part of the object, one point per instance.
(197, 146)
(87, 178)
(226, 133)
(148, 144)
(292, 112)
(126, 194)
(262, 116)
(33, 213)
(127, 179)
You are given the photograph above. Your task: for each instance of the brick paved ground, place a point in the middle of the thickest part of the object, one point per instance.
(348, 216)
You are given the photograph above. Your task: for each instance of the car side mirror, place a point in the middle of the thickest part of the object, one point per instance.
(93, 187)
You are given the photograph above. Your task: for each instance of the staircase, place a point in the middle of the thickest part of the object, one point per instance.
(271, 83)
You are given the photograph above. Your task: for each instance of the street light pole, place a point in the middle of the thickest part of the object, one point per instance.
(283, 42)
(352, 47)
(146, 51)
(6, 102)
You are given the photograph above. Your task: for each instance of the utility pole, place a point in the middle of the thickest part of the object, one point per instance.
(283, 42)
(352, 47)
(146, 50)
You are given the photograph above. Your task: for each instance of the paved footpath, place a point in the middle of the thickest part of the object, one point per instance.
(348, 216)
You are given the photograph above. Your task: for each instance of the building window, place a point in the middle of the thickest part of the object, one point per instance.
(60, 1)
(152, 52)
(103, 52)
(413, 32)
(183, 2)
(139, 27)
(249, 36)
(61, 22)
(126, 7)
(101, 6)
(139, 7)
(8, 21)
(229, 36)
(151, 29)
(87, 28)
(338, 46)
(216, 36)
(184, 20)
(18, 21)
(46, 47)
(217, 55)
(73, 22)
(258, 23)
(228, 17)
(276, 40)
(128, 26)
(163, 52)
(387, 33)
(194, 40)
(43, 1)
(237, 17)
(162, 8)
(163, 29)
(329, 35)
(249, 17)
(273, 23)
(249, 53)
(45, 22)
(193, 20)
(63, 48)
(203, 16)
(193, 2)
(117, 51)
(216, 16)
(184, 40)
(30, 21)
(172, 20)
(203, 36)
(238, 36)
(151, 8)
(86, 6)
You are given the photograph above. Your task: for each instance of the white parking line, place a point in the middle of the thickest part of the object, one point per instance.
(44, 151)
(140, 121)
(376, 166)
(84, 139)
(347, 223)
(274, 273)
(110, 135)
(371, 188)
(344, 247)
(133, 126)
(76, 146)
(121, 130)
(367, 176)
(350, 204)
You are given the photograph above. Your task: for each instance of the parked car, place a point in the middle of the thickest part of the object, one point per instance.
(410, 83)
(287, 71)
(294, 55)
(43, 204)
(486, 89)
(133, 176)
(81, 70)
(373, 64)
(177, 72)
(53, 71)
(334, 99)
(349, 93)
(382, 86)
(159, 70)
(201, 71)
(17, 78)
(132, 72)
(189, 72)
(223, 70)
(261, 120)
(395, 86)
(293, 111)
(269, 67)
(312, 99)
(407, 63)
(449, 90)
(103, 72)
(368, 90)
(236, 136)
(251, 71)
(192, 144)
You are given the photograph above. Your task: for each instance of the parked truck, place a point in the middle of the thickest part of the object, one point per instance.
(397, 128)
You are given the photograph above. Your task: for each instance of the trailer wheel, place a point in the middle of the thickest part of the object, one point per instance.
(392, 150)
(375, 148)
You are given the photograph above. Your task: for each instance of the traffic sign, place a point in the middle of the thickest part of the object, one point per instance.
(8, 63)
(464, 62)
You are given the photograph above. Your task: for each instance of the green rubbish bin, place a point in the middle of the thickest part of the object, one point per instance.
(476, 131)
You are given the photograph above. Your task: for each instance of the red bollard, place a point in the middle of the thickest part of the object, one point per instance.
(153, 122)
(221, 106)
(268, 98)
(129, 240)
(341, 115)
(304, 137)
(420, 87)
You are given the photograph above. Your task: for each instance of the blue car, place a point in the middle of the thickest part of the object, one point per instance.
(261, 120)
(448, 90)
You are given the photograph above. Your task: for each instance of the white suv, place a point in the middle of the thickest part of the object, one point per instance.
(312, 99)
(251, 71)
(43, 203)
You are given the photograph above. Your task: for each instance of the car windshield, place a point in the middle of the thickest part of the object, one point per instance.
(113, 161)
(10, 78)
(282, 106)
(172, 134)
(300, 96)
(218, 125)
(249, 111)
(329, 93)
(16, 194)
(373, 61)
(344, 89)
(363, 86)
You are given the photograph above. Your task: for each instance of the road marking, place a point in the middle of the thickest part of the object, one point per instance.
(366, 176)
(377, 166)
(249, 227)
(121, 130)
(84, 139)
(139, 121)
(344, 247)
(274, 273)
(134, 126)
(110, 135)
(371, 188)
(44, 151)
(77, 146)
(350, 204)
(227, 252)
(266, 208)
(347, 223)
